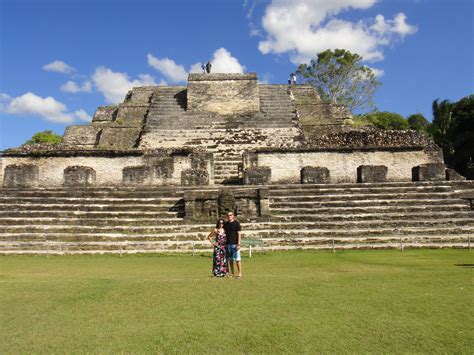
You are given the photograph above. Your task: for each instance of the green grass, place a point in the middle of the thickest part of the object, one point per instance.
(354, 301)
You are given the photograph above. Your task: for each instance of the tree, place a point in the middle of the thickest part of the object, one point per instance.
(44, 137)
(340, 78)
(418, 122)
(383, 120)
(441, 127)
(462, 132)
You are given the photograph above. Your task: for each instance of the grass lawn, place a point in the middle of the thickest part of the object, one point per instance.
(302, 301)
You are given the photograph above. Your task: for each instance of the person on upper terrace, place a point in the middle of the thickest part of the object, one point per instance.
(208, 67)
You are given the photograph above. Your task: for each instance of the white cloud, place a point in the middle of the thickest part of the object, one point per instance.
(223, 62)
(83, 115)
(59, 66)
(4, 99)
(73, 87)
(196, 68)
(378, 72)
(303, 28)
(172, 71)
(115, 85)
(48, 108)
(33, 105)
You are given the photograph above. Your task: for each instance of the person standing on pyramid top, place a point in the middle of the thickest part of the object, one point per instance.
(208, 67)
(233, 233)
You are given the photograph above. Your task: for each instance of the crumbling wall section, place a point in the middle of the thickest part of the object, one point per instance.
(224, 94)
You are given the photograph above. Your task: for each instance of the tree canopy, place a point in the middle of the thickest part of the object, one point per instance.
(340, 78)
(44, 137)
(383, 120)
(453, 130)
(418, 122)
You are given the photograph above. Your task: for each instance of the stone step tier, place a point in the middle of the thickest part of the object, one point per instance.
(390, 215)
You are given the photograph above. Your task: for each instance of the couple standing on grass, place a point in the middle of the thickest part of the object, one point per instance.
(226, 241)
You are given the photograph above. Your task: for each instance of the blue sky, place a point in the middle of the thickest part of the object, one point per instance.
(61, 59)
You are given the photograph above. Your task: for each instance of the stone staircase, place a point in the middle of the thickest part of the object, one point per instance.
(167, 104)
(60, 221)
(170, 125)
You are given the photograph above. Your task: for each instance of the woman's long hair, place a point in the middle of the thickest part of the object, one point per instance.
(218, 223)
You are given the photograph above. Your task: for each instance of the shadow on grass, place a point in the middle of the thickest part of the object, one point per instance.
(464, 265)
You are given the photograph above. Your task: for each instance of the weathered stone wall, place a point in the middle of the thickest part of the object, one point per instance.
(109, 170)
(316, 117)
(248, 204)
(342, 165)
(224, 94)
(82, 135)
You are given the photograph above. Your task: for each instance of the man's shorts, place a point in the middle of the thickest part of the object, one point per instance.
(232, 253)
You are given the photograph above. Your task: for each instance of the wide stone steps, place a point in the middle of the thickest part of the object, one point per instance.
(53, 228)
(394, 242)
(302, 216)
(299, 206)
(94, 236)
(275, 243)
(308, 212)
(358, 191)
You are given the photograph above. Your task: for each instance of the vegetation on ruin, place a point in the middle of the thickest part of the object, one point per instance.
(340, 78)
(383, 120)
(453, 130)
(44, 137)
(352, 302)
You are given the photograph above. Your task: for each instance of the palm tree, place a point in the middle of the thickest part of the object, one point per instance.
(442, 127)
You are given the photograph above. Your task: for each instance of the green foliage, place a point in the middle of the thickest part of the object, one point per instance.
(382, 301)
(44, 137)
(462, 132)
(383, 120)
(418, 122)
(340, 78)
(453, 130)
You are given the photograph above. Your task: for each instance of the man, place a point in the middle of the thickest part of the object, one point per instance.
(233, 233)
(208, 67)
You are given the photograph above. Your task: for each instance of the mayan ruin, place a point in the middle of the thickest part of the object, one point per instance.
(150, 173)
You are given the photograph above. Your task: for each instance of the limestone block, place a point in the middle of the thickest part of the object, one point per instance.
(315, 175)
(453, 175)
(21, 175)
(201, 205)
(81, 135)
(131, 115)
(429, 172)
(105, 114)
(250, 160)
(264, 202)
(163, 168)
(79, 176)
(322, 113)
(223, 94)
(119, 137)
(137, 175)
(372, 173)
(257, 176)
(226, 202)
(194, 177)
(139, 95)
(201, 160)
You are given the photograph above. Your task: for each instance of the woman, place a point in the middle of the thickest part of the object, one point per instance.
(219, 263)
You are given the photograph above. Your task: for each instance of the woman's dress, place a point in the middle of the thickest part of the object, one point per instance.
(219, 264)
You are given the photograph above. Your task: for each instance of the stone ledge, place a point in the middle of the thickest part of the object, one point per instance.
(221, 76)
(303, 149)
(71, 152)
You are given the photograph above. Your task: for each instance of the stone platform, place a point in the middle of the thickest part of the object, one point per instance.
(126, 220)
